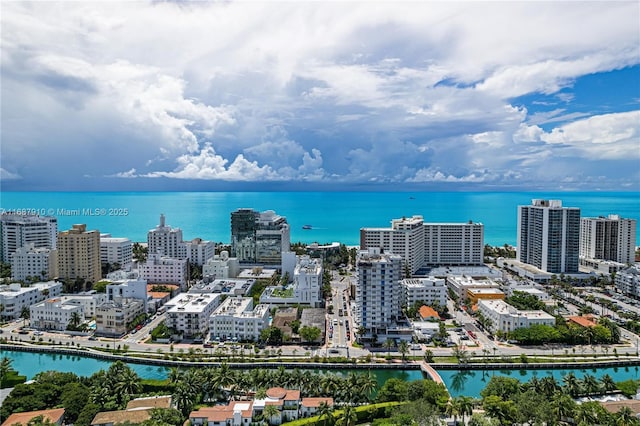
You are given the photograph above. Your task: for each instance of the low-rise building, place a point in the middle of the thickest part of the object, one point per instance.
(34, 262)
(89, 301)
(236, 413)
(236, 319)
(227, 286)
(428, 290)
(189, 313)
(114, 317)
(460, 284)
(130, 289)
(476, 294)
(628, 281)
(137, 411)
(506, 318)
(54, 314)
(54, 416)
(427, 313)
(306, 288)
(221, 266)
(309, 407)
(14, 298)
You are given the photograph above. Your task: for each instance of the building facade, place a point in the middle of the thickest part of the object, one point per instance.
(200, 251)
(129, 289)
(259, 237)
(307, 281)
(39, 263)
(429, 290)
(18, 230)
(54, 314)
(113, 317)
(628, 281)
(14, 298)
(166, 241)
(453, 244)
(506, 318)
(548, 236)
(116, 250)
(378, 301)
(236, 319)
(221, 266)
(608, 238)
(79, 254)
(165, 270)
(189, 313)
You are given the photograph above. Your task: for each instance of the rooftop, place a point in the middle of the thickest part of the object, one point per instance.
(53, 415)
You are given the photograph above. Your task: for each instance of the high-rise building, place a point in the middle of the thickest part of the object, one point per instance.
(378, 301)
(115, 250)
(548, 236)
(200, 251)
(259, 237)
(608, 238)
(166, 241)
(428, 244)
(79, 254)
(405, 238)
(18, 230)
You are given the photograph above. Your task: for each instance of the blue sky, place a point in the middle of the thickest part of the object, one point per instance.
(320, 95)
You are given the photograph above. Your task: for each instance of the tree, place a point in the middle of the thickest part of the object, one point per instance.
(403, 348)
(393, 390)
(562, 406)
(571, 384)
(270, 412)
(74, 321)
(626, 417)
(309, 334)
(504, 387)
(460, 354)
(25, 314)
(348, 417)
(184, 398)
(325, 411)
(361, 332)
(608, 385)
(271, 335)
(465, 406)
(388, 344)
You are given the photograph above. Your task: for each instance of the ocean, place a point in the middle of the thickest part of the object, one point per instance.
(333, 216)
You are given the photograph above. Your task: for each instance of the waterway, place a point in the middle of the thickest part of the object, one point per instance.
(459, 382)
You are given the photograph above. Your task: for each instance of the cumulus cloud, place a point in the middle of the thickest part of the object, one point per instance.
(357, 92)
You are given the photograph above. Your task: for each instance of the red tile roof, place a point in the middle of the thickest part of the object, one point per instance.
(582, 321)
(55, 416)
(428, 312)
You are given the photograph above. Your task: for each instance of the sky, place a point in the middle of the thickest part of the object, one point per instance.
(239, 95)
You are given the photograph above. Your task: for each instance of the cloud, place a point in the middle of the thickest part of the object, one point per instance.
(310, 92)
(6, 175)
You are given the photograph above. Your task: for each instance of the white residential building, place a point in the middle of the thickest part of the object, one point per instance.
(608, 238)
(18, 230)
(378, 301)
(29, 261)
(628, 281)
(189, 313)
(460, 284)
(221, 266)
(200, 251)
(236, 319)
(453, 244)
(166, 241)
(506, 318)
(89, 302)
(229, 286)
(116, 250)
(165, 270)
(113, 317)
(428, 244)
(54, 314)
(549, 236)
(130, 289)
(307, 281)
(405, 238)
(14, 297)
(429, 290)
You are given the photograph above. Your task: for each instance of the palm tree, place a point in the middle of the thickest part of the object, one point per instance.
(5, 367)
(465, 406)
(608, 385)
(572, 384)
(348, 417)
(590, 385)
(25, 314)
(184, 398)
(587, 413)
(549, 386)
(403, 348)
(388, 344)
(75, 320)
(175, 375)
(367, 384)
(562, 406)
(625, 417)
(453, 409)
(127, 383)
(325, 411)
(269, 412)
(428, 355)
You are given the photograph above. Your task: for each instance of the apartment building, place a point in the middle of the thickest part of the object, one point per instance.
(18, 230)
(506, 318)
(116, 250)
(31, 262)
(429, 290)
(608, 238)
(189, 313)
(79, 254)
(378, 301)
(236, 319)
(548, 236)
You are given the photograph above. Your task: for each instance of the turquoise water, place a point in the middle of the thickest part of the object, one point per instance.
(31, 363)
(335, 216)
(470, 383)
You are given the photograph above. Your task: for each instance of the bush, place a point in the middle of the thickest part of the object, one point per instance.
(11, 379)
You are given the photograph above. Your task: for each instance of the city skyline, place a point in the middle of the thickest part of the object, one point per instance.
(237, 96)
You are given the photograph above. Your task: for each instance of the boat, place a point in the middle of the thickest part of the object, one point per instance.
(307, 227)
